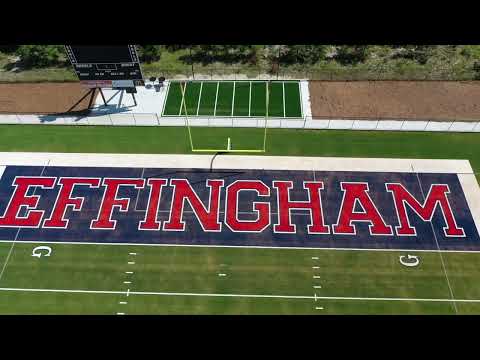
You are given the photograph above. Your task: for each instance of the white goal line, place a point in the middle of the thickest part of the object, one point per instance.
(315, 297)
(237, 246)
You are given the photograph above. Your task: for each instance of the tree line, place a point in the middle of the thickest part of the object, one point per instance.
(32, 56)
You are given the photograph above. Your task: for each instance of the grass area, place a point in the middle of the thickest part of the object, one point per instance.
(292, 142)
(240, 98)
(249, 271)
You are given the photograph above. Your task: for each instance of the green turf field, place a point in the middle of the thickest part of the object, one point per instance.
(234, 98)
(96, 279)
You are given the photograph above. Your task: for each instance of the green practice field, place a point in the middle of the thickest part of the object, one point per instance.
(234, 98)
(100, 279)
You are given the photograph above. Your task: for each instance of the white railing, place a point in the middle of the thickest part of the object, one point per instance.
(152, 119)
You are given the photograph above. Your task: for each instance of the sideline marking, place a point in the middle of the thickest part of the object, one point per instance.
(438, 245)
(18, 231)
(242, 295)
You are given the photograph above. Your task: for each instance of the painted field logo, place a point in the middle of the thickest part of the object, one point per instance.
(244, 207)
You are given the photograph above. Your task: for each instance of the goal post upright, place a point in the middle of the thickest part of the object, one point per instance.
(229, 144)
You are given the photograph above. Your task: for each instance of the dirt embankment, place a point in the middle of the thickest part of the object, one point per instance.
(413, 100)
(43, 98)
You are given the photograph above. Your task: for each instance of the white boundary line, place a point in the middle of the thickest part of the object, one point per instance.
(242, 246)
(283, 89)
(73, 291)
(7, 259)
(438, 245)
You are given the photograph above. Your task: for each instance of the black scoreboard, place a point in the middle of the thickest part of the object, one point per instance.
(106, 65)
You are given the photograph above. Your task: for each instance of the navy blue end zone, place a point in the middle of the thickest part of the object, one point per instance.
(126, 230)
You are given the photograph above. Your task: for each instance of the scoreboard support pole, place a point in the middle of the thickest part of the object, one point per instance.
(103, 96)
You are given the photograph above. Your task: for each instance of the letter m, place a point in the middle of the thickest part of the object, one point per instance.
(437, 197)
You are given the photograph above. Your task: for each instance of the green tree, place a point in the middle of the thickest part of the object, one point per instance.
(418, 53)
(149, 53)
(40, 55)
(309, 54)
(8, 48)
(352, 54)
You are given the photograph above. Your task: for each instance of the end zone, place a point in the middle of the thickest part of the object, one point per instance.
(264, 201)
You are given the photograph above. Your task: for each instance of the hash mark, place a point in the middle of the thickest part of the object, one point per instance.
(127, 282)
(131, 263)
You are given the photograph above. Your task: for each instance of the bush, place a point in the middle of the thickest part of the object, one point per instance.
(8, 49)
(40, 55)
(149, 53)
(352, 54)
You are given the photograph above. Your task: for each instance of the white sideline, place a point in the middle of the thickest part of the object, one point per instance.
(240, 295)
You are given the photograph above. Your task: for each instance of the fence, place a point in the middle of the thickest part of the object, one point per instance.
(328, 73)
(153, 119)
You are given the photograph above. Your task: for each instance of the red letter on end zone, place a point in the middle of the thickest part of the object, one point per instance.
(183, 191)
(150, 222)
(436, 196)
(110, 201)
(261, 208)
(64, 200)
(19, 198)
(313, 205)
(353, 192)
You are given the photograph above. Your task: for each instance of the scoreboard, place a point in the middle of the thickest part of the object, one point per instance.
(106, 65)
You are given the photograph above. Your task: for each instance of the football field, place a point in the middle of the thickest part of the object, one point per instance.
(234, 98)
(119, 272)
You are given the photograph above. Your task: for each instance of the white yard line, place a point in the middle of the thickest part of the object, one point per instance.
(199, 97)
(250, 100)
(243, 247)
(283, 87)
(72, 291)
(233, 98)
(184, 94)
(216, 99)
(438, 245)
